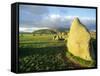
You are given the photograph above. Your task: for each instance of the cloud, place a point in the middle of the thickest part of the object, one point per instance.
(30, 15)
(42, 16)
(54, 21)
(54, 16)
(34, 9)
(28, 29)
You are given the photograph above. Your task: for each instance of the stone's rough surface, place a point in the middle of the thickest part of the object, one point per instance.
(79, 40)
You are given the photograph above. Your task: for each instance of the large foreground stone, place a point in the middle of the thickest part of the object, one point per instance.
(79, 40)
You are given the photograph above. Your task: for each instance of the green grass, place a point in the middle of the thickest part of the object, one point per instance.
(37, 37)
(41, 59)
(80, 61)
(41, 52)
(38, 41)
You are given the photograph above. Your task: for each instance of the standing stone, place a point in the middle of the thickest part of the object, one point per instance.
(79, 40)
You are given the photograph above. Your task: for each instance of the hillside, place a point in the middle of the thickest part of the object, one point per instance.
(45, 31)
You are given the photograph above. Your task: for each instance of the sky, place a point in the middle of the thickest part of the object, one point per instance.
(33, 17)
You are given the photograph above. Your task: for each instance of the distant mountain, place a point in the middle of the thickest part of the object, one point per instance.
(62, 29)
(45, 31)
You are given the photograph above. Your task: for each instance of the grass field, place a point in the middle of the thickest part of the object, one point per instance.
(43, 53)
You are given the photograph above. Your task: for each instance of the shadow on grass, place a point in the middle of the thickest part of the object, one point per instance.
(47, 50)
(49, 58)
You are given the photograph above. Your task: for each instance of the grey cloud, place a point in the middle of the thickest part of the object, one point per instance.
(40, 18)
(35, 10)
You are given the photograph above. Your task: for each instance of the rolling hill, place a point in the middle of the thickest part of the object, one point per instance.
(45, 31)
